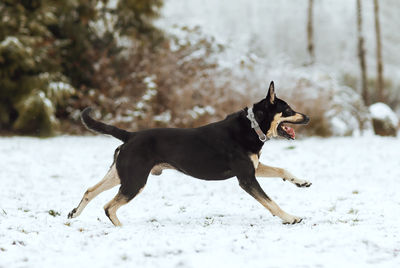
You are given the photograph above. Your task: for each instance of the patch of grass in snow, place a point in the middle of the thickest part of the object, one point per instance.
(182, 209)
(4, 212)
(208, 221)
(27, 232)
(24, 210)
(333, 208)
(147, 255)
(355, 192)
(352, 222)
(3, 249)
(353, 211)
(54, 213)
(290, 147)
(174, 252)
(18, 242)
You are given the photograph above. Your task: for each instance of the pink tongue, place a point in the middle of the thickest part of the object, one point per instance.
(290, 131)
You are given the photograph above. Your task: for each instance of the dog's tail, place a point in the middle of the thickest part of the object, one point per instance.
(100, 127)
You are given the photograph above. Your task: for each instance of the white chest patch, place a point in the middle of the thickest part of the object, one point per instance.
(254, 159)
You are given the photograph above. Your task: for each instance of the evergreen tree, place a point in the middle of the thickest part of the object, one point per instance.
(49, 48)
(31, 81)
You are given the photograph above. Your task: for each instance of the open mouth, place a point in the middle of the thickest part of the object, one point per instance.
(286, 131)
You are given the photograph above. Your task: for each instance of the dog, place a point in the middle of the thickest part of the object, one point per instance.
(217, 151)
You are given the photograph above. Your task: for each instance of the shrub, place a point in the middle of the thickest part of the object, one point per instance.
(178, 84)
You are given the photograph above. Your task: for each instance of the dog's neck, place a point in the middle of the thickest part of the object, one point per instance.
(254, 125)
(246, 136)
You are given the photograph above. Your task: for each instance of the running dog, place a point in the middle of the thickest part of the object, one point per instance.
(218, 151)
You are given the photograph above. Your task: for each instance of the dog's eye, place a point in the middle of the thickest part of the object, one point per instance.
(287, 112)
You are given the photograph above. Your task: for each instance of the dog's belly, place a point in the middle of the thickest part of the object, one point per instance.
(204, 170)
(208, 174)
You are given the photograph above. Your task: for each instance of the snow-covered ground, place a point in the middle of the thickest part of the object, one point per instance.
(352, 210)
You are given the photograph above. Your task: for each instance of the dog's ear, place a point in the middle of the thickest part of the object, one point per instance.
(271, 93)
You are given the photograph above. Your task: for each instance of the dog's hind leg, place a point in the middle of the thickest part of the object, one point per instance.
(134, 176)
(118, 201)
(268, 171)
(110, 180)
(111, 207)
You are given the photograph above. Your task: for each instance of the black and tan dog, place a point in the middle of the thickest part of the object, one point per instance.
(218, 151)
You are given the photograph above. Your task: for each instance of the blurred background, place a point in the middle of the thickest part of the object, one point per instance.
(173, 63)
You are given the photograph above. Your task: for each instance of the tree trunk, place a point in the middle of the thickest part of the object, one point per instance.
(361, 55)
(310, 32)
(379, 64)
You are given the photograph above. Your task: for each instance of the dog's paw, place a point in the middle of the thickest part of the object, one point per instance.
(298, 182)
(72, 214)
(303, 183)
(292, 220)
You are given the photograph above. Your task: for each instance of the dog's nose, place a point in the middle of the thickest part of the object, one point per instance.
(306, 119)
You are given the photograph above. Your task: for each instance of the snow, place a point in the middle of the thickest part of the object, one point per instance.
(197, 111)
(351, 211)
(164, 117)
(61, 86)
(383, 112)
(11, 41)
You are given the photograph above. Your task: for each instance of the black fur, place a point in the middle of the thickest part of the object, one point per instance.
(100, 127)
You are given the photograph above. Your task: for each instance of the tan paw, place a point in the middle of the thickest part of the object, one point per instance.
(292, 220)
(302, 183)
(298, 182)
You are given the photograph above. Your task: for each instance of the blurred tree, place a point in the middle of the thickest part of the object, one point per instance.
(97, 32)
(361, 54)
(135, 18)
(310, 32)
(379, 64)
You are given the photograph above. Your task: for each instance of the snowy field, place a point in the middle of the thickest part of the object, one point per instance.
(351, 212)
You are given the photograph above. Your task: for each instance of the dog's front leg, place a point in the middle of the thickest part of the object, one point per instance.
(267, 171)
(251, 186)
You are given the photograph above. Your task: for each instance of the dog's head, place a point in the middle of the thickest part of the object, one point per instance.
(273, 114)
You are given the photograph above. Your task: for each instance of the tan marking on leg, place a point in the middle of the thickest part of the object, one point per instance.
(254, 159)
(118, 201)
(267, 171)
(276, 210)
(158, 169)
(110, 180)
(111, 208)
